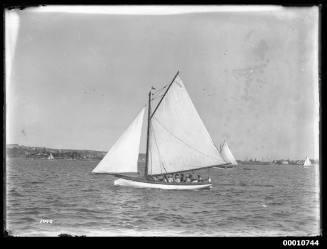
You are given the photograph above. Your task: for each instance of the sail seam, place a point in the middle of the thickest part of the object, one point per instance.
(155, 140)
(183, 141)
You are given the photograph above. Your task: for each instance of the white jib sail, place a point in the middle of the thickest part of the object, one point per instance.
(307, 162)
(179, 140)
(123, 155)
(227, 154)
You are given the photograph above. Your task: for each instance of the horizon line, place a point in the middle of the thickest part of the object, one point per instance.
(245, 159)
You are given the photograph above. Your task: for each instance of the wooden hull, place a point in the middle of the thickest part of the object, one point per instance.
(168, 186)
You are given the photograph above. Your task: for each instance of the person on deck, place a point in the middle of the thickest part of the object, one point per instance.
(182, 178)
(177, 179)
(199, 178)
(188, 179)
(195, 181)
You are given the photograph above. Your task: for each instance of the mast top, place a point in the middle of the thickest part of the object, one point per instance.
(164, 94)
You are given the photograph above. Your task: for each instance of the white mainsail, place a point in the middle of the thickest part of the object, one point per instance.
(179, 141)
(123, 155)
(307, 162)
(227, 154)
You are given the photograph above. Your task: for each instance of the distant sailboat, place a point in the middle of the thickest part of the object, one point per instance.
(307, 162)
(227, 155)
(177, 142)
(50, 157)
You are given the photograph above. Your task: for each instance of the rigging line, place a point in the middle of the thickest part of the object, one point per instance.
(159, 90)
(158, 95)
(216, 147)
(150, 151)
(155, 97)
(183, 141)
(167, 88)
(162, 162)
(155, 140)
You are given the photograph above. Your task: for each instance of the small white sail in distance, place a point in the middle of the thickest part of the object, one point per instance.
(227, 154)
(307, 162)
(123, 155)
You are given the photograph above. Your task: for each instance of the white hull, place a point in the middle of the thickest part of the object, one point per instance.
(138, 184)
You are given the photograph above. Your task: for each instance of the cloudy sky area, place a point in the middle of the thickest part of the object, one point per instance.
(78, 80)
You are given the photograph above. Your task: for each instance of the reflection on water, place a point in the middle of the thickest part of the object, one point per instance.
(263, 201)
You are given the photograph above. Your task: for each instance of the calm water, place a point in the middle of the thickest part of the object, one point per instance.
(246, 201)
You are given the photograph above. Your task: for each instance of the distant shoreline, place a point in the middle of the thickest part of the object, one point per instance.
(22, 151)
(15, 150)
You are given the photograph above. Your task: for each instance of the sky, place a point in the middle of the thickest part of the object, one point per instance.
(77, 80)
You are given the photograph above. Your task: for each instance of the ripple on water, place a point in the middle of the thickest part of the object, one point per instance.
(253, 201)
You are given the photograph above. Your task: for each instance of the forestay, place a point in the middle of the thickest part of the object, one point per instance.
(123, 155)
(227, 154)
(179, 141)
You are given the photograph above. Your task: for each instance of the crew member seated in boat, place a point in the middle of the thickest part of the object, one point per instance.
(182, 178)
(192, 177)
(177, 179)
(195, 181)
(154, 178)
(199, 178)
(188, 178)
(170, 179)
(163, 178)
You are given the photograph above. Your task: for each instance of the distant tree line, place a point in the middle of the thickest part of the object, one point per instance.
(44, 153)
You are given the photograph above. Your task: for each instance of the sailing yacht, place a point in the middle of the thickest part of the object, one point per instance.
(307, 162)
(227, 155)
(177, 141)
(50, 157)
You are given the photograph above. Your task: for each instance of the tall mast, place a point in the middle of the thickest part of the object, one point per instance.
(149, 120)
(147, 138)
